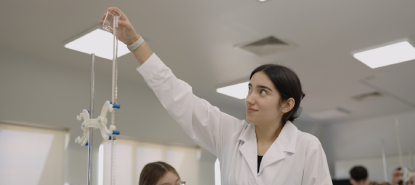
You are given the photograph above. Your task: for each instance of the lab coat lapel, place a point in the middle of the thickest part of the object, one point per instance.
(285, 142)
(249, 148)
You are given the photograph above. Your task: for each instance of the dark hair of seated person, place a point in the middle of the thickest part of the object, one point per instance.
(358, 173)
(153, 172)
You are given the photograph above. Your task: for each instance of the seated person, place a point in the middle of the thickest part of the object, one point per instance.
(359, 176)
(159, 173)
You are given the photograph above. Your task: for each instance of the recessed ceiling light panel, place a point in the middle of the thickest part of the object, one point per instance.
(387, 55)
(239, 91)
(99, 42)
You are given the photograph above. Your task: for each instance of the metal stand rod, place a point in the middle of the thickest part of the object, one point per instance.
(399, 142)
(90, 131)
(412, 159)
(384, 162)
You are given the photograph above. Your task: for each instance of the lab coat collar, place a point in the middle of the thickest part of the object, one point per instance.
(249, 148)
(246, 134)
(286, 142)
(287, 138)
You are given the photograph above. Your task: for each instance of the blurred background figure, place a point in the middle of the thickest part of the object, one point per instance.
(360, 176)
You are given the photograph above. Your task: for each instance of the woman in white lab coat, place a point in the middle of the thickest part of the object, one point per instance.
(266, 148)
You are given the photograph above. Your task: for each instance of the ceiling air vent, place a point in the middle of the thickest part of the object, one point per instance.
(367, 96)
(267, 41)
(266, 46)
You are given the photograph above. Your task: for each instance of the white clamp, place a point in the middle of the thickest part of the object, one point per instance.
(407, 174)
(100, 122)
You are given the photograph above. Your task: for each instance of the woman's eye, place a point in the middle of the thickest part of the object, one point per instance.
(263, 92)
(249, 89)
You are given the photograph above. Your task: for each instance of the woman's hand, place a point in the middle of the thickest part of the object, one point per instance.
(127, 35)
(125, 31)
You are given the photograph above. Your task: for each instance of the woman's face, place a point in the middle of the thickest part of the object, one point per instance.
(262, 102)
(169, 179)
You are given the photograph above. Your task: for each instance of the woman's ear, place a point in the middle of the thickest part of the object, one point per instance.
(288, 105)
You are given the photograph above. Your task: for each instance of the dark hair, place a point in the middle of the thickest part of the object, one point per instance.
(358, 173)
(153, 172)
(400, 182)
(288, 85)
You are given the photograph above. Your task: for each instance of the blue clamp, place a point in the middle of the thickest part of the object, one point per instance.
(89, 111)
(110, 138)
(116, 132)
(86, 144)
(115, 105)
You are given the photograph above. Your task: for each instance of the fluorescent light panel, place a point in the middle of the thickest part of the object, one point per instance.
(239, 91)
(99, 42)
(387, 55)
(330, 114)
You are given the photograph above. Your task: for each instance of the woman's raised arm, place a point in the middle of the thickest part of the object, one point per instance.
(204, 123)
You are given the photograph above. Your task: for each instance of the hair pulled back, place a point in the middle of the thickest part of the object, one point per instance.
(288, 85)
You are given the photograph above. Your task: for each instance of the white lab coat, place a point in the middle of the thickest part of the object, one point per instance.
(295, 157)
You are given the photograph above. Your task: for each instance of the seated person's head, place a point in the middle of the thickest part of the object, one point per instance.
(358, 175)
(159, 173)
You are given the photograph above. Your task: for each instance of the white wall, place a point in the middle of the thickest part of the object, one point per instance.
(362, 139)
(207, 168)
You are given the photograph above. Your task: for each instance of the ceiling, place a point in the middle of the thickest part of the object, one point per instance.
(197, 39)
